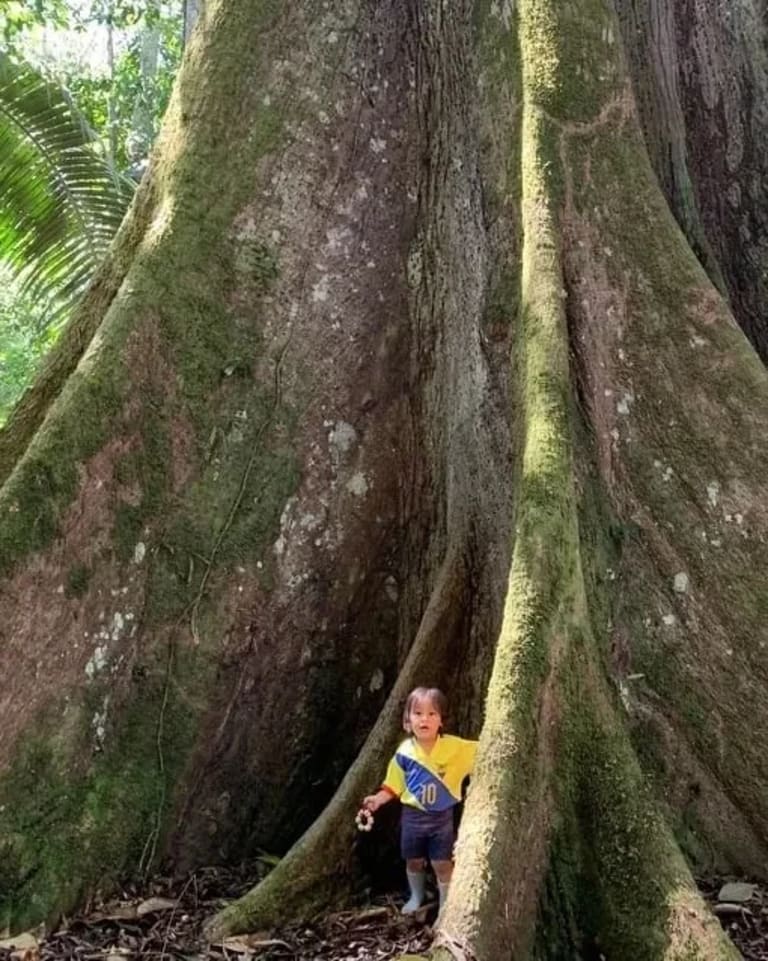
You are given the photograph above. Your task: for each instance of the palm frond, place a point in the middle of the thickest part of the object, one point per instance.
(60, 203)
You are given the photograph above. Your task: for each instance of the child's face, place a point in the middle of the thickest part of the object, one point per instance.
(424, 720)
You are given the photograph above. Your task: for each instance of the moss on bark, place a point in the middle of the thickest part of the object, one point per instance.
(71, 828)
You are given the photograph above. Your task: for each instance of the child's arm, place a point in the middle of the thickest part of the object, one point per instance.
(392, 787)
(374, 801)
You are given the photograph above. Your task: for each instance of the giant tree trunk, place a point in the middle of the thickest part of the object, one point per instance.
(400, 370)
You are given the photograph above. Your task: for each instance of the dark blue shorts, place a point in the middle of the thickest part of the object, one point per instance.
(427, 834)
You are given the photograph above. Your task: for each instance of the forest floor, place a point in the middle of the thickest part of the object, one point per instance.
(164, 922)
(742, 908)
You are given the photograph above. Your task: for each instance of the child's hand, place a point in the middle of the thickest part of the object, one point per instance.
(371, 803)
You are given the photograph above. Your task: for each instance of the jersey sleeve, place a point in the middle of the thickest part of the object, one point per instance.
(394, 781)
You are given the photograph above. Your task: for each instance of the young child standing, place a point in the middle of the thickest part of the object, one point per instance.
(426, 774)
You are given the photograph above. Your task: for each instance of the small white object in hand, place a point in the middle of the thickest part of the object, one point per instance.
(364, 820)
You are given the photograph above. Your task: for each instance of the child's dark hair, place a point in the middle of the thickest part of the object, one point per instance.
(433, 694)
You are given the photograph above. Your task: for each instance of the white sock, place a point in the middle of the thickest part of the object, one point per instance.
(416, 880)
(442, 887)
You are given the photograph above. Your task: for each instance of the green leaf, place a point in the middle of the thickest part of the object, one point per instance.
(60, 204)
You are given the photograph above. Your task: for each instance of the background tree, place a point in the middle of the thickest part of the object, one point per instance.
(192, 9)
(400, 369)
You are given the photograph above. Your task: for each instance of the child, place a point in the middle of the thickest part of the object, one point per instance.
(426, 774)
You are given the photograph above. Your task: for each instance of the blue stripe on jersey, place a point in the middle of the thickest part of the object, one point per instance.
(424, 785)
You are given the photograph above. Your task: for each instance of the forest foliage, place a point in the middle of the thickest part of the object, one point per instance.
(83, 86)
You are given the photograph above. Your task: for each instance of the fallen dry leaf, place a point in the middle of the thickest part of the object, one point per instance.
(155, 906)
(250, 944)
(20, 942)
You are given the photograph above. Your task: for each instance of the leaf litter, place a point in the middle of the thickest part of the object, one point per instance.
(166, 921)
(742, 909)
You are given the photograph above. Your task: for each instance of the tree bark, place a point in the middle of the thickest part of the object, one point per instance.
(402, 371)
(701, 78)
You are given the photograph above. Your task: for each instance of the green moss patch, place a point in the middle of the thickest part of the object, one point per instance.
(77, 813)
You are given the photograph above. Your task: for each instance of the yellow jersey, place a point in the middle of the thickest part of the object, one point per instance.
(430, 781)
